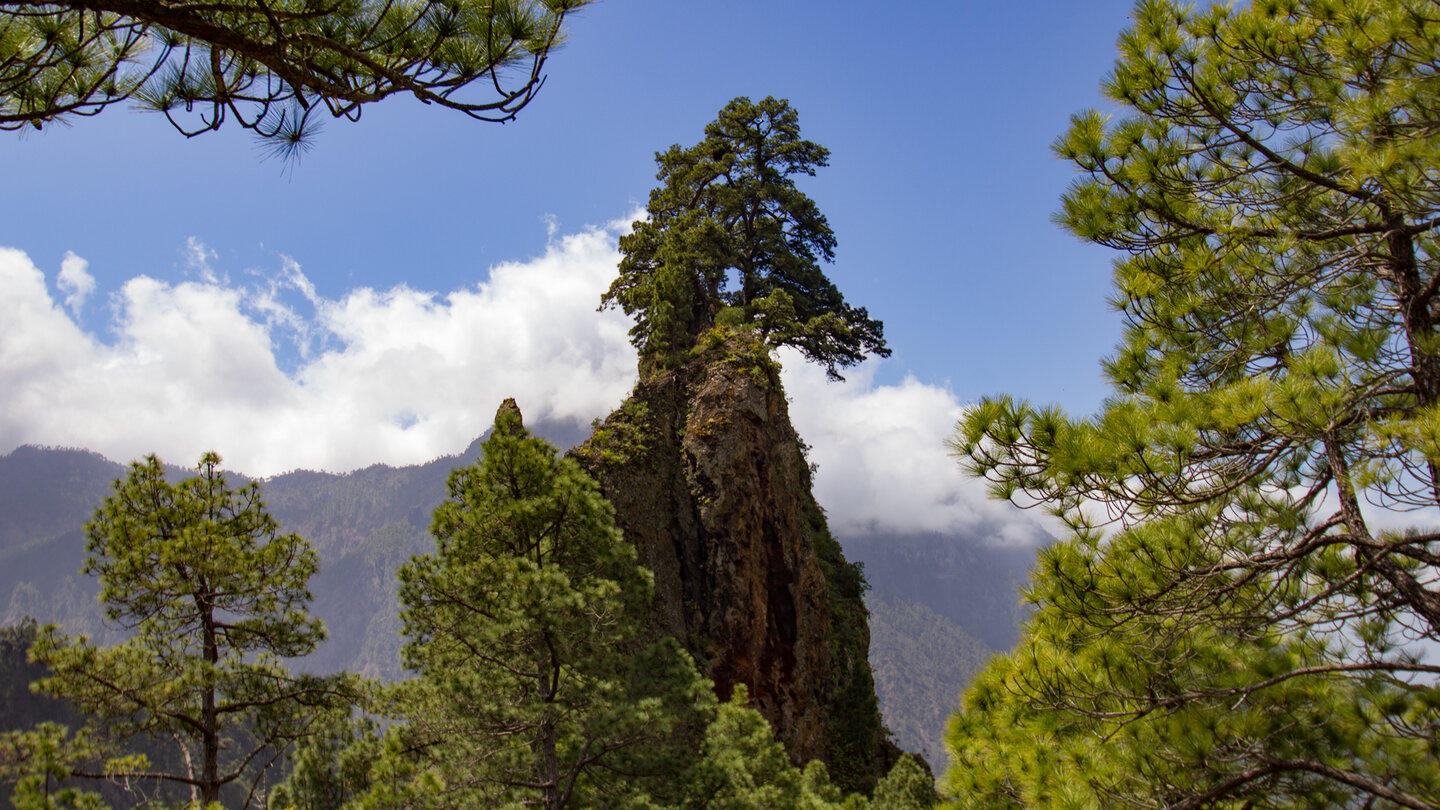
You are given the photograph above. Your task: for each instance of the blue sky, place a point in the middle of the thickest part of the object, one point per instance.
(939, 117)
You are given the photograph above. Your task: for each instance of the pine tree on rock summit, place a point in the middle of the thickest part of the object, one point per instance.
(731, 241)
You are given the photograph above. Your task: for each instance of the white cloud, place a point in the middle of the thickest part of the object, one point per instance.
(397, 376)
(198, 258)
(882, 459)
(75, 281)
(275, 377)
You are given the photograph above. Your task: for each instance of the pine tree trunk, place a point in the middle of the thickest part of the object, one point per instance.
(1419, 324)
(209, 719)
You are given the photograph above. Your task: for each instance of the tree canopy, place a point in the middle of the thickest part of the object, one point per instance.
(536, 685)
(212, 596)
(270, 66)
(1239, 614)
(730, 240)
(743, 767)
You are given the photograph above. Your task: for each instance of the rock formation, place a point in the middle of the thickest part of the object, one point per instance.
(710, 482)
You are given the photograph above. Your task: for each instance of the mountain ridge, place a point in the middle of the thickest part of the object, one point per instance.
(366, 522)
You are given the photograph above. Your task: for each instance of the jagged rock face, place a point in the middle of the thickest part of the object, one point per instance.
(769, 623)
(710, 483)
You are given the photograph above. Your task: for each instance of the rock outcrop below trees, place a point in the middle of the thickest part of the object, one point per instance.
(710, 481)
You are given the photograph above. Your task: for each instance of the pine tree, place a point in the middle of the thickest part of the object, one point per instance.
(39, 762)
(1227, 624)
(332, 768)
(731, 241)
(525, 626)
(909, 786)
(743, 767)
(212, 597)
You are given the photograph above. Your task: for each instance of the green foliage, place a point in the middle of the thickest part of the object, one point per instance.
(37, 753)
(856, 732)
(908, 786)
(39, 760)
(332, 768)
(362, 525)
(40, 757)
(212, 597)
(730, 240)
(623, 436)
(1227, 625)
(523, 626)
(1077, 717)
(740, 348)
(743, 767)
(271, 66)
(19, 707)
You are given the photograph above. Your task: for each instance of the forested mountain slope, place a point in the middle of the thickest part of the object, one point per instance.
(939, 604)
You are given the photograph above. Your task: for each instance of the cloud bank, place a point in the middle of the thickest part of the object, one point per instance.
(883, 463)
(397, 376)
(276, 377)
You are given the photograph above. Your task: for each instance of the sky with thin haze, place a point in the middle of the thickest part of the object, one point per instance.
(374, 302)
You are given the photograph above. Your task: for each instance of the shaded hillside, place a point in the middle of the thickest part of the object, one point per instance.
(46, 497)
(940, 606)
(922, 663)
(45, 491)
(363, 524)
(972, 582)
(337, 512)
